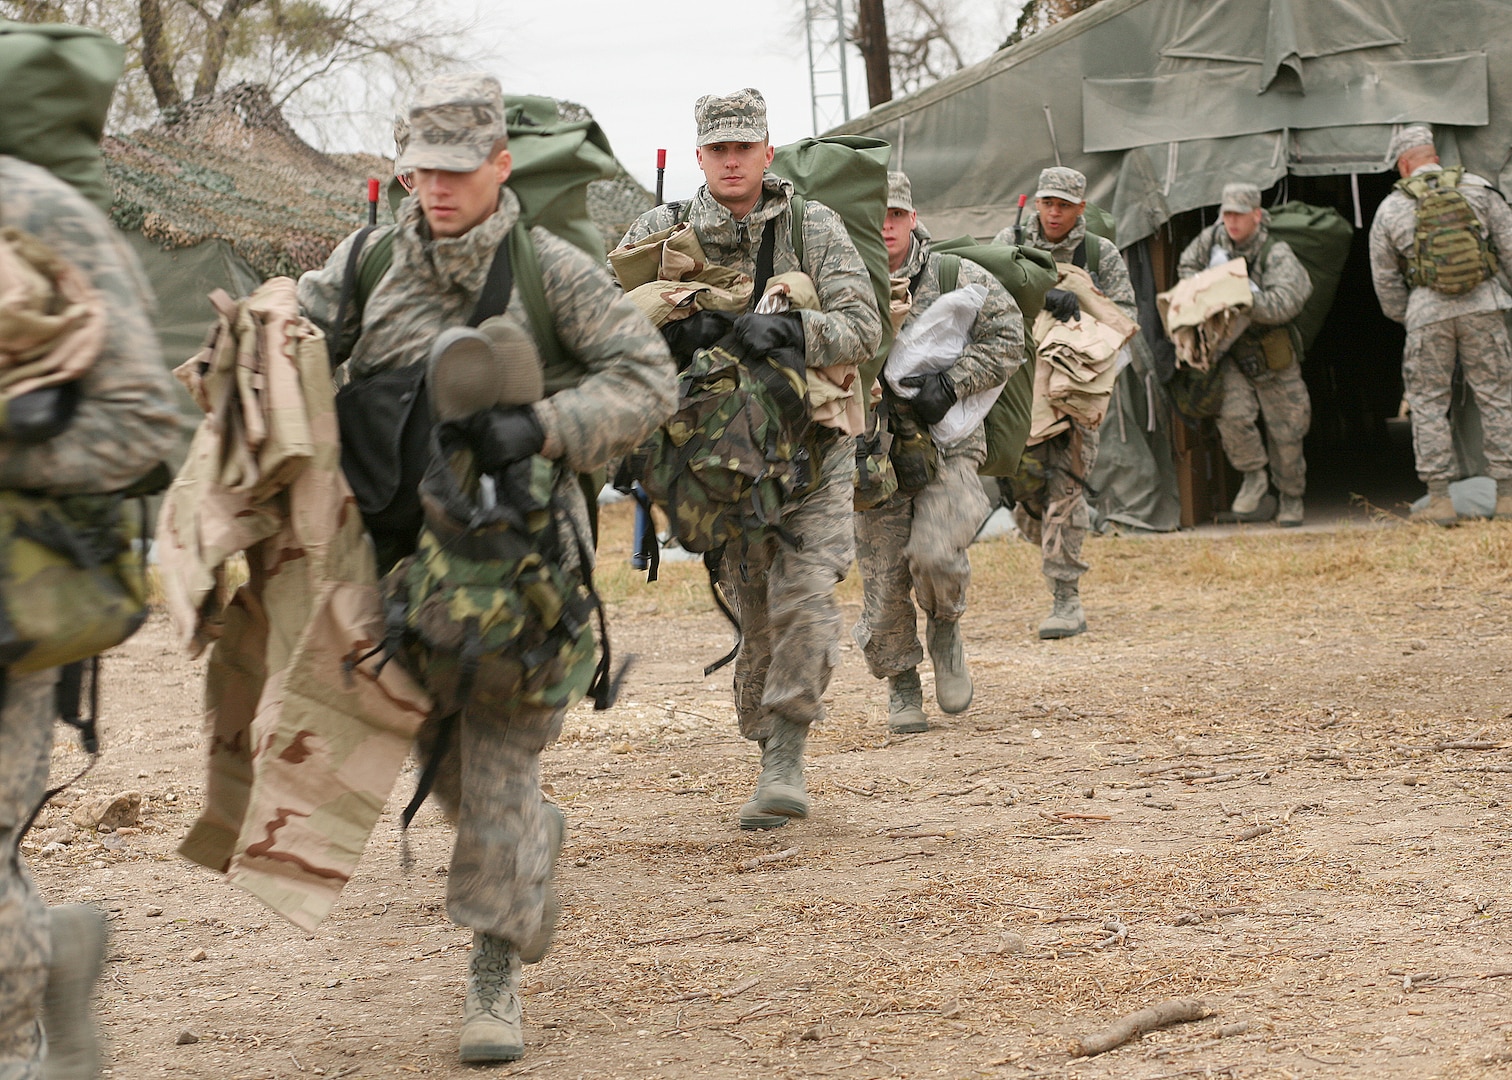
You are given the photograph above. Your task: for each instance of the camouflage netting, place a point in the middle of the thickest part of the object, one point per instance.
(229, 167)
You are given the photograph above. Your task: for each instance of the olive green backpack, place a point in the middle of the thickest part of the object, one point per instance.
(1027, 273)
(1450, 252)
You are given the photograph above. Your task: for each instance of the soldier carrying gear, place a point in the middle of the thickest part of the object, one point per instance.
(119, 425)
(1262, 371)
(618, 386)
(1438, 251)
(784, 581)
(1059, 523)
(917, 543)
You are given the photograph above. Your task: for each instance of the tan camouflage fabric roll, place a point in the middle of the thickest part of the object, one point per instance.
(52, 321)
(304, 743)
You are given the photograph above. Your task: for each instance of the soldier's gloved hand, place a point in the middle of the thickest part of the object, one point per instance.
(1062, 304)
(39, 415)
(499, 436)
(762, 335)
(937, 393)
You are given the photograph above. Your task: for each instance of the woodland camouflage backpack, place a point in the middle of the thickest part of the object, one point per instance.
(1449, 250)
(735, 452)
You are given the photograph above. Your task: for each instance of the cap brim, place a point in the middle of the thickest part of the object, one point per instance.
(901, 206)
(1233, 208)
(1046, 193)
(731, 134)
(462, 159)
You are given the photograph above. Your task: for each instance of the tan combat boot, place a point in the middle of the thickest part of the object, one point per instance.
(905, 704)
(1503, 511)
(1290, 514)
(492, 1024)
(1256, 483)
(78, 950)
(1440, 508)
(779, 790)
(1066, 618)
(953, 688)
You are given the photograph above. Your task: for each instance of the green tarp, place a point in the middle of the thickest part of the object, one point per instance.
(1162, 102)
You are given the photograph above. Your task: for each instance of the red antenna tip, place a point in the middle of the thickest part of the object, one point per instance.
(661, 159)
(1022, 200)
(372, 189)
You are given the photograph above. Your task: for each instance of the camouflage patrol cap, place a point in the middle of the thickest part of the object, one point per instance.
(454, 122)
(1409, 138)
(899, 192)
(1239, 199)
(737, 117)
(1059, 182)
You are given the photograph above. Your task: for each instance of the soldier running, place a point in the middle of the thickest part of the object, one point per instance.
(1440, 270)
(784, 592)
(1060, 227)
(445, 241)
(914, 547)
(1262, 371)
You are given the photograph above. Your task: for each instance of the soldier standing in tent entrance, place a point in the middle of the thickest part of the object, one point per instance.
(121, 424)
(445, 242)
(1262, 371)
(784, 592)
(1436, 253)
(1059, 227)
(919, 542)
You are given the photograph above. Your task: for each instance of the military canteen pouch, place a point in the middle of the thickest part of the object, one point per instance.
(876, 479)
(1259, 353)
(70, 587)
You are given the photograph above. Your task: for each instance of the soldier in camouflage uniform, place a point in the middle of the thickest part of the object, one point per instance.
(445, 240)
(918, 543)
(1281, 286)
(125, 424)
(1470, 326)
(1060, 524)
(785, 595)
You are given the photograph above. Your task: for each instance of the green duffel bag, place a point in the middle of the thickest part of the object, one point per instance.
(70, 587)
(847, 173)
(1027, 273)
(1320, 237)
(56, 82)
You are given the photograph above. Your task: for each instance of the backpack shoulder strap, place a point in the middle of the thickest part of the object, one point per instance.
(494, 298)
(796, 204)
(1091, 253)
(950, 273)
(532, 286)
(765, 256)
(1263, 256)
(341, 348)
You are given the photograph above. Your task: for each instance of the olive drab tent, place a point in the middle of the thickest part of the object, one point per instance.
(223, 194)
(1162, 102)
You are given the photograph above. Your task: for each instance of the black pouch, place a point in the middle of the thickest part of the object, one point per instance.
(914, 457)
(385, 424)
(1249, 354)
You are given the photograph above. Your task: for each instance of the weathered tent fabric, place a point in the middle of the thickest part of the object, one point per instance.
(1159, 101)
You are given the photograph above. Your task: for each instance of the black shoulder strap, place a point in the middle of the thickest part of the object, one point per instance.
(1079, 256)
(764, 258)
(344, 341)
(494, 299)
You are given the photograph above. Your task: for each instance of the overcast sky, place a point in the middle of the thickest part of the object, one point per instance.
(640, 66)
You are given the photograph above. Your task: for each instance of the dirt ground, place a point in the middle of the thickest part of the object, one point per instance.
(1273, 777)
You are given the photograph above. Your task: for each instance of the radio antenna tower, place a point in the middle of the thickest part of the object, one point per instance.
(829, 89)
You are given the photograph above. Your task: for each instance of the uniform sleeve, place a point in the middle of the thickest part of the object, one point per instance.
(1284, 287)
(1194, 257)
(1004, 236)
(127, 421)
(652, 221)
(847, 328)
(1498, 220)
(631, 383)
(1386, 268)
(996, 348)
(320, 290)
(1113, 278)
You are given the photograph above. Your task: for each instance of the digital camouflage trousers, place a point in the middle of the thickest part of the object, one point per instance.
(784, 596)
(1485, 356)
(1063, 520)
(1281, 398)
(915, 548)
(26, 737)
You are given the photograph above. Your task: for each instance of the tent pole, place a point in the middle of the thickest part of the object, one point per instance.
(1050, 123)
(1354, 188)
